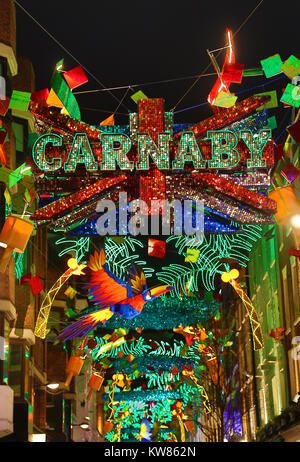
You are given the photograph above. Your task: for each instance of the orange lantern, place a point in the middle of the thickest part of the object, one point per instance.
(287, 204)
(190, 427)
(13, 238)
(108, 426)
(95, 383)
(74, 367)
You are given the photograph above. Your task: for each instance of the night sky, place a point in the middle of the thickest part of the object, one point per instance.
(131, 42)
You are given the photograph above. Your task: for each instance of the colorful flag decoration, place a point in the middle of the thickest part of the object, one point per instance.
(19, 100)
(53, 99)
(291, 95)
(35, 285)
(273, 101)
(109, 121)
(65, 95)
(75, 77)
(137, 96)
(233, 72)
(291, 67)
(225, 99)
(40, 96)
(272, 65)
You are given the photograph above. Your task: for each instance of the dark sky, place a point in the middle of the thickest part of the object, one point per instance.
(127, 42)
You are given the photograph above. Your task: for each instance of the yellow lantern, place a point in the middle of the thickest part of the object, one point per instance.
(287, 204)
(13, 238)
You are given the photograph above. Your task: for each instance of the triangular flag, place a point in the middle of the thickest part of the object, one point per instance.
(75, 77)
(109, 121)
(7, 197)
(53, 99)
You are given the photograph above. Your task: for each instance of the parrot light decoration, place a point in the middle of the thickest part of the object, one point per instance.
(113, 296)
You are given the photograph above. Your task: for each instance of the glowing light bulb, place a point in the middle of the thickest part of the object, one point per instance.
(234, 273)
(53, 386)
(225, 277)
(295, 221)
(72, 263)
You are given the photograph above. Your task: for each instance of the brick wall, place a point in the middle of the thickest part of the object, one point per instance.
(8, 23)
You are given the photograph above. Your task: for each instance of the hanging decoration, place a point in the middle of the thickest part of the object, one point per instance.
(113, 296)
(75, 268)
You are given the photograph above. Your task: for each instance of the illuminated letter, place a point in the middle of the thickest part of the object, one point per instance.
(188, 151)
(256, 145)
(81, 152)
(106, 223)
(112, 153)
(219, 148)
(38, 152)
(159, 154)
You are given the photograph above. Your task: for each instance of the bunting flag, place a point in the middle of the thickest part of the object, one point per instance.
(40, 96)
(65, 95)
(19, 100)
(291, 67)
(225, 99)
(233, 72)
(137, 96)
(75, 77)
(270, 104)
(109, 121)
(272, 65)
(294, 131)
(291, 95)
(70, 292)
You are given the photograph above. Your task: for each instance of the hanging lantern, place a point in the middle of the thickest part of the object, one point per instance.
(287, 204)
(13, 238)
(74, 367)
(95, 383)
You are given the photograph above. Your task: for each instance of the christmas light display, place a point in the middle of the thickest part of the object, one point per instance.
(42, 319)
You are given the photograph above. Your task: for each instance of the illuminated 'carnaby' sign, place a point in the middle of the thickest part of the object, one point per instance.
(115, 147)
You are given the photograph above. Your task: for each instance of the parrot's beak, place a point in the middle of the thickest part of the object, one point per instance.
(160, 290)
